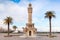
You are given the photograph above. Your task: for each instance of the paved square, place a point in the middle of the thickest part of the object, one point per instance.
(39, 37)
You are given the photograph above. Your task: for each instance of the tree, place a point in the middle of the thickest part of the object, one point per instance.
(8, 21)
(14, 27)
(49, 15)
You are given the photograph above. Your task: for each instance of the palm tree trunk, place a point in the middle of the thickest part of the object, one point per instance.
(8, 29)
(50, 26)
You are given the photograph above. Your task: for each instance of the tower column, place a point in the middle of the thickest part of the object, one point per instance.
(30, 14)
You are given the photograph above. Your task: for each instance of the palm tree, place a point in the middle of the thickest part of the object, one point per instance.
(14, 27)
(8, 21)
(49, 15)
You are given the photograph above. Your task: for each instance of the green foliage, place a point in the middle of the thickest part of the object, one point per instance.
(14, 27)
(8, 20)
(49, 14)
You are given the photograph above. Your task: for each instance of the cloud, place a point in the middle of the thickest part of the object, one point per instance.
(1, 7)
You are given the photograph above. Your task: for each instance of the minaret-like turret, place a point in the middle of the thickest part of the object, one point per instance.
(30, 14)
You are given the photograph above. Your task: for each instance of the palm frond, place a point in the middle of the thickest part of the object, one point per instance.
(46, 16)
(8, 20)
(54, 16)
(49, 14)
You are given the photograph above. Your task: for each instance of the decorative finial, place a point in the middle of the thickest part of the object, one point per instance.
(30, 4)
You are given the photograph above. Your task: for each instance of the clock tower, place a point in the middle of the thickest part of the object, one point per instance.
(29, 30)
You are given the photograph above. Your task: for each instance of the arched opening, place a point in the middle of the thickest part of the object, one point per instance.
(29, 33)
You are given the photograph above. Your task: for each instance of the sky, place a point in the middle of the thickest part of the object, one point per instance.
(17, 9)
